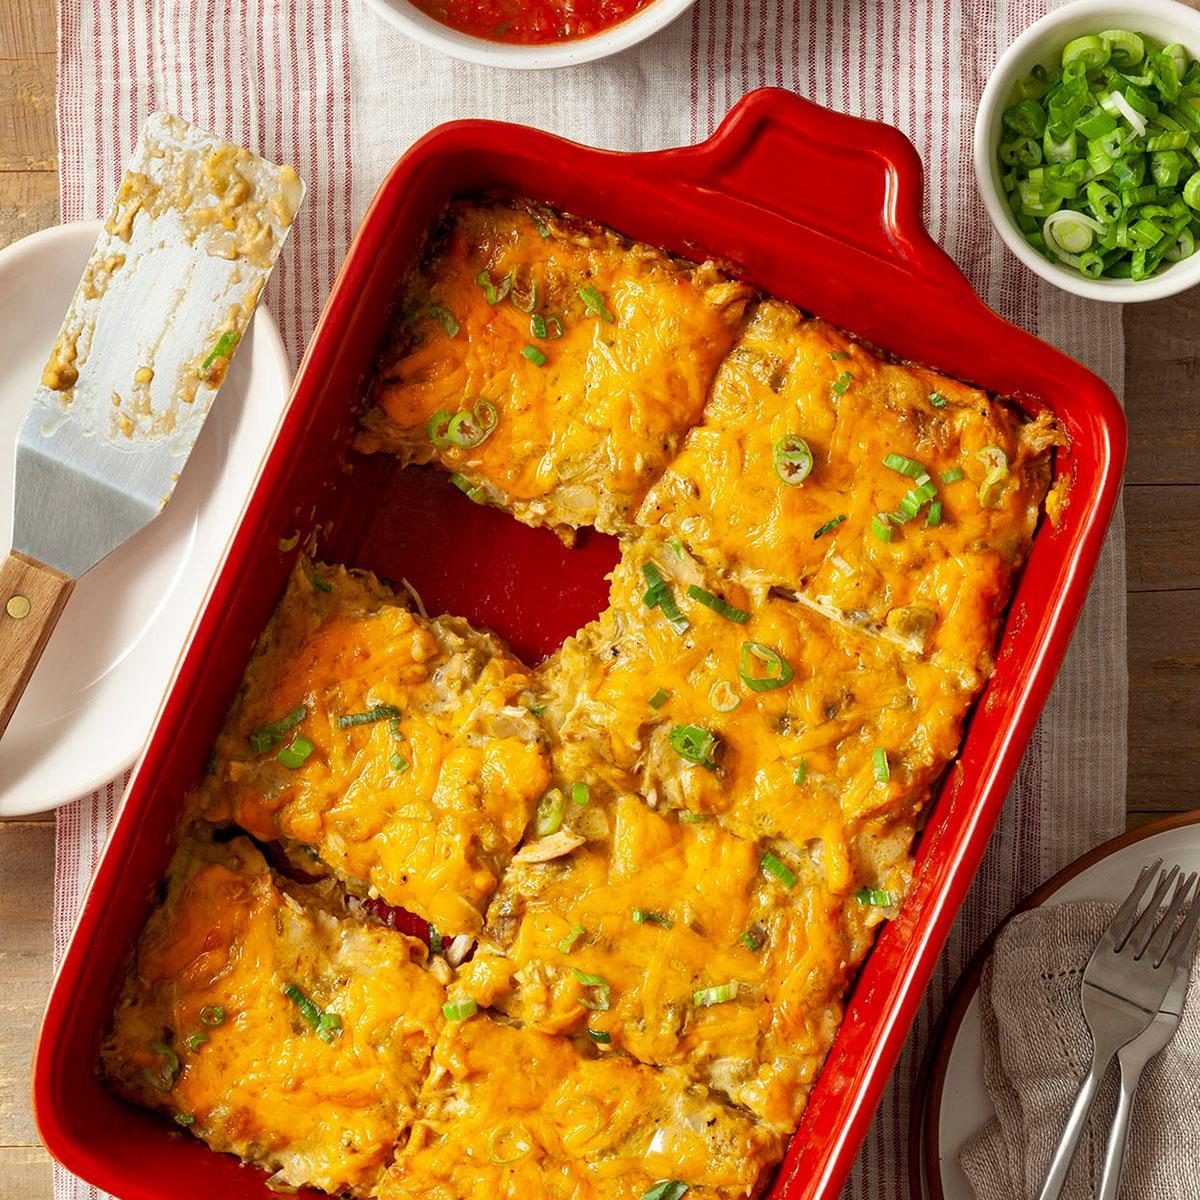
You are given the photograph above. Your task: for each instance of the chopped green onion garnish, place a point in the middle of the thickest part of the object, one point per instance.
(441, 314)
(551, 808)
(666, 1189)
(184, 1119)
(723, 697)
(692, 818)
(879, 760)
(836, 355)
(329, 1027)
(459, 1010)
(937, 400)
(296, 755)
(643, 916)
(953, 475)
(163, 1078)
(875, 898)
(774, 865)
(778, 670)
(594, 303)
(491, 293)
(599, 1036)
(470, 490)
(793, 459)
(580, 793)
(659, 595)
(906, 466)
(829, 526)
(196, 1040)
(223, 348)
(842, 383)
(881, 527)
(660, 697)
(801, 772)
(568, 943)
(706, 997)
(547, 329)
(719, 606)
(934, 516)
(753, 939)
(379, 712)
(266, 737)
(599, 1002)
(326, 1025)
(695, 744)
(212, 1015)
(398, 762)
(535, 356)
(319, 584)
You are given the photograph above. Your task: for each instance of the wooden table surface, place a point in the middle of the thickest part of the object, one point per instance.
(1162, 512)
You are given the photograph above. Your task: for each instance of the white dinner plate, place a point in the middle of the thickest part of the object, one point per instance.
(89, 707)
(961, 1106)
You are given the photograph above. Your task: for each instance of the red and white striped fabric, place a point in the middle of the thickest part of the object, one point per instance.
(326, 85)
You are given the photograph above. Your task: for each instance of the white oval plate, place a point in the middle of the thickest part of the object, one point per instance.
(89, 707)
(965, 1106)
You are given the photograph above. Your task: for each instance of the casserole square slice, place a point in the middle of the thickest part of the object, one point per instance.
(922, 551)
(271, 1027)
(396, 750)
(553, 365)
(680, 945)
(512, 1114)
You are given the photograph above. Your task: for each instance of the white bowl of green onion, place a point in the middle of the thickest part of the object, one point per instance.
(1087, 148)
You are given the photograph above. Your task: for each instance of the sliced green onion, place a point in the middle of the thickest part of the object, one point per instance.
(164, 1077)
(695, 744)
(879, 760)
(753, 939)
(459, 1010)
(568, 943)
(580, 793)
(535, 356)
(842, 383)
(379, 712)
(793, 459)
(525, 303)
(297, 754)
(491, 293)
(643, 916)
(719, 606)
(800, 774)
(721, 994)
(599, 1000)
(594, 303)
(660, 697)
(722, 696)
(938, 400)
(398, 762)
(212, 1015)
(693, 818)
(546, 328)
(184, 1119)
(904, 465)
(599, 1036)
(470, 490)
(266, 737)
(778, 670)
(196, 1040)
(222, 348)
(551, 809)
(881, 527)
(319, 584)
(934, 516)
(953, 475)
(1093, 50)
(875, 898)
(666, 1189)
(1125, 49)
(836, 355)
(829, 526)
(774, 865)
(659, 595)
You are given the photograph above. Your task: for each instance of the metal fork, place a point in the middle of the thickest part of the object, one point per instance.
(1133, 1059)
(1124, 985)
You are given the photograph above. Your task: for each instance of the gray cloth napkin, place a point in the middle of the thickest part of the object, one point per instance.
(1036, 1050)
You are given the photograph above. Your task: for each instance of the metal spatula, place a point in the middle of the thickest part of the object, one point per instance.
(166, 296)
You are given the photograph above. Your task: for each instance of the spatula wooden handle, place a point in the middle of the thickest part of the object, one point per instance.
(32, 596)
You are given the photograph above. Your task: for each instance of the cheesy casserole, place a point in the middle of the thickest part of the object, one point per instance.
(445, 926)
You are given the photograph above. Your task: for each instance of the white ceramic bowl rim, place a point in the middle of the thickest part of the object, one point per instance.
(425, 29)
(1039, 43)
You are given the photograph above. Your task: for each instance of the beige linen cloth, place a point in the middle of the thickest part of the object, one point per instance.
(1036, 1050)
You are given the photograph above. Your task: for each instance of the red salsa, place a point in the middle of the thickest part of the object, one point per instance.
(530, 22)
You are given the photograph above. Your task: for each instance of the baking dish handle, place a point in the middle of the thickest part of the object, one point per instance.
(854, 183)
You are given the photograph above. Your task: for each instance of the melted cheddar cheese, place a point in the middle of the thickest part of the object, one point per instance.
(424, 765)
(937, 590)
(580, 436)
(205, 1032)
(511, 1114)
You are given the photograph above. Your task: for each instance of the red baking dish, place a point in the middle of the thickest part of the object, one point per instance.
(815, 207)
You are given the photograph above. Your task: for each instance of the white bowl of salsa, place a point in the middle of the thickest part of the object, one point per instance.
(530, 34)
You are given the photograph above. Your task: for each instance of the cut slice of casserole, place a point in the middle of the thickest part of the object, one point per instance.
(553, 365)
(397, 749)
(890, 497)
(512, 1114)
(270, 1027)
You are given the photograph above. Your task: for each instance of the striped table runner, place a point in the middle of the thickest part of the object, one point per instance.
(326, 85)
